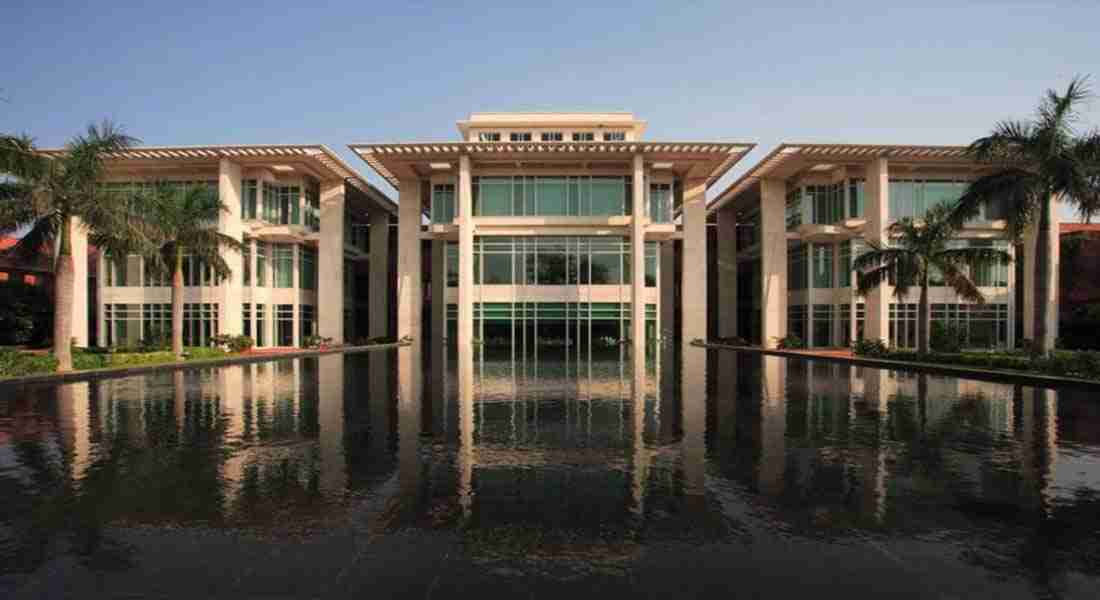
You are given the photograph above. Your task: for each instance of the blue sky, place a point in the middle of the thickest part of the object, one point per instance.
(342, 72)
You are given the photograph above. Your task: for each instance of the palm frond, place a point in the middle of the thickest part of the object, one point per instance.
(974, 256)
(40, 239)
(1015, 189)
(958, 280)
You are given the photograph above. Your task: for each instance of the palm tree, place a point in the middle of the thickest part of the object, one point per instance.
(46, 195)
(919, 251)
(187, 220)
(1036, 162)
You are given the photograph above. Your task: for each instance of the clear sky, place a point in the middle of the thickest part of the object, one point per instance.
(222, 72)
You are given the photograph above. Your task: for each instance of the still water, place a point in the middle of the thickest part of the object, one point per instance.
(690, 473)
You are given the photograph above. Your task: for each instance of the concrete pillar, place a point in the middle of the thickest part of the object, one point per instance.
(877, 208)
(253, 247)
(439, 290)
(1030, 239)
(637, 257)
(773, 425)
(100, 314)
(666, 271)
(78, 244)
(727, 272)
(693, 283)
(229, 222)
(379, 273)
(330, 264)
(693, 403)
(408, 260)
(296, 283)
(773, 261)
(1010, 338)
(409, 424)
(465, 254)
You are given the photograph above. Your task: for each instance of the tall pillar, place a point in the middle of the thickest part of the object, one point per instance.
(229, 222)
(296, 284)
(408, 260)
(876, 325)
(100, 314)
(693, 273)
(78, 244)
(439, 291)
(379, 273)
(1031, 236)
(667, 272)
(1010, 338)
(253, 259)
(773, 261)
(330, 264)
(727, 272)
(465, 254)
(637, 258)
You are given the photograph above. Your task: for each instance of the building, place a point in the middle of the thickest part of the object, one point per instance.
(786, 232)
(558, 228)
(316, 261)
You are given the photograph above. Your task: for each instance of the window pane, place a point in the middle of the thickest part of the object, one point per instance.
(608, 196)
(494, 196)
(551, 196)
(498, 269)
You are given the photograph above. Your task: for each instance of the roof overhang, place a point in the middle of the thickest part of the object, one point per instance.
(792, 160)
(315, 159)
(704, 160)
(551, 120)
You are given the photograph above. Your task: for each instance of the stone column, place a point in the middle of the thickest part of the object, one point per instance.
(379, 273)
(667, 272)
(100, 314)
(408, 260)
(877, 194)
(78, 244)
(727, 271)
(296, 284)
(1010, 338)
(693, 274)
(1030, 238)
(330, 264)
(773, 261)
(465, 254)
(253, 247)
(229, 222)
(439, 291)
(637, 258)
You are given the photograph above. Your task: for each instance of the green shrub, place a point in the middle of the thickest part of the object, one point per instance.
(135, 359)
(233, 343)
(86, 359)
(790, 342)
(316, 341)
(946, 337)
(18, 364)
(874, 348)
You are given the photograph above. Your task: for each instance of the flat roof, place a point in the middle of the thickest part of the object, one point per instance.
(790, 158)
(551, 119)
(707, 160)
(326, 163)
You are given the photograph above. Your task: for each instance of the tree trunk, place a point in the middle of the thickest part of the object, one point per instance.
(177, 306)
(1042, 278)
(63, 305)
(924, 318)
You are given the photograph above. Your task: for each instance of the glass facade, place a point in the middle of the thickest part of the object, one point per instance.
(660, 202)
(443, 203)
(822, 266)
(553, 261)
(284, 324)
(827, 202)
(282, 256)
(551, 196)
(307, 322)
(308, 268)
(796, 266)
(526, 324)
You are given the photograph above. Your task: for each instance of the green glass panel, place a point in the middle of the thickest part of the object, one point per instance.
(608, 196)
(552, 196)
(494, 197)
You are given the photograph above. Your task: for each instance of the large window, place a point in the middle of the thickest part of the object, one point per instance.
(156, 323)
(903, 325)
(246, 319)
(660, 203)
(855, 198)
(123, 323)
(793, 210)
(246, 260)
(283, 259)
(312, 207)
(827, 202)
(443, 203)
(281, 204)
(200, 323)
(284, 324)
(248, 199)
(584, 136)
(307, 322)
(551, 196)
(796, 265)
(308, 272)
(823, 325)
(553, 261)
(913, 198)
(823, 266)
(845, 275)
(796, 320)
(519, 136)
(995, 275)
(261, 324)
(261, 264)
(551, 136)
(981, 325)
(526, 324)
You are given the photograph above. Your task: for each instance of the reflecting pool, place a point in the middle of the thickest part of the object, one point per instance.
(544, 471)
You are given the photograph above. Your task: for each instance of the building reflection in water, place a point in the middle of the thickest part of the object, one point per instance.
(587, 445)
